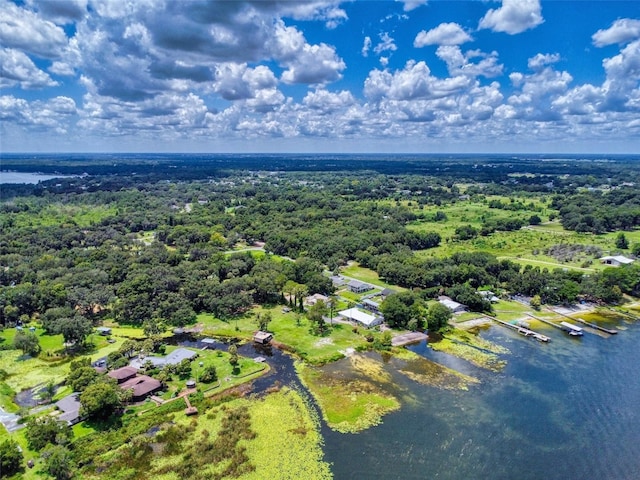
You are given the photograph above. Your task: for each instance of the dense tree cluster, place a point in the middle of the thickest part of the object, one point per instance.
(460, 275)
(148, 251)
(599, 212)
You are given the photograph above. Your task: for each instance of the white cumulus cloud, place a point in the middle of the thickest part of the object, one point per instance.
(16, 68)
(443, 34)
(24, 30)
(621, 31)
(514, 16)
(412, 4)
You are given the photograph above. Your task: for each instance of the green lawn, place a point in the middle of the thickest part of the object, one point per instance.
(366, 275)
(227, 376)
(312, 348)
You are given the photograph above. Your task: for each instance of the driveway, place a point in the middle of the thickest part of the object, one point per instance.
(10, 421)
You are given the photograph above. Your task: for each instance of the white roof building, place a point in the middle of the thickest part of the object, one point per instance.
(355, 315)
(616, 260)
(452, 305)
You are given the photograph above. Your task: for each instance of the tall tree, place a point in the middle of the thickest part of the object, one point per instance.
(74, 329)
(27, 342)
(621, 241)
(10, 458)
(100, 399)
(437, 316)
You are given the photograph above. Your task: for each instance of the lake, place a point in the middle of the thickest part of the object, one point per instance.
(564, 410)
(26, 177)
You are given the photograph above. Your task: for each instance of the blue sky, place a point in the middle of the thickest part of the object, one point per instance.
(425, 76)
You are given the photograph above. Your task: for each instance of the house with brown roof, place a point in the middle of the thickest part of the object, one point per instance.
(123, 374)
(141, 386)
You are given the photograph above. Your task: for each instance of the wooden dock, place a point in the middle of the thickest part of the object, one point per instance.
(610, 331)
(523, 331)
(564, 326)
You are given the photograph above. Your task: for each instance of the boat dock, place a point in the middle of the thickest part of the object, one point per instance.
(523, 331)
(407, 338)
(597, 327)
(570, 328)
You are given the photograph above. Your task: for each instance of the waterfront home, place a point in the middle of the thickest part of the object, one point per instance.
(173, 358)
(123, 374)
(452, 305)
(357, 316)
(141, 386)
(370, 305)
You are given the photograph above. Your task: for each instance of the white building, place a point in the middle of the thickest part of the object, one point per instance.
(616, 260)
(355, 315)
(452, 305)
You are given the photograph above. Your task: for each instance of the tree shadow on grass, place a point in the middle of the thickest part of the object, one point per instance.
(113, 422)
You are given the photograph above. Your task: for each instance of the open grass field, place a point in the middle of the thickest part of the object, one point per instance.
(354, 270)
(60, 214)
(284, 326)
(525, 246)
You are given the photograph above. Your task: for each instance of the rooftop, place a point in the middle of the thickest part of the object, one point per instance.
(123, 373)
(141, 385)
(359, 316)
(173, 358)
(618, 258)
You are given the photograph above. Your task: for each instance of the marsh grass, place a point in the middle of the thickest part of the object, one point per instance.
(275, 436)
(470, 353)
(427, 372)
(351, 403)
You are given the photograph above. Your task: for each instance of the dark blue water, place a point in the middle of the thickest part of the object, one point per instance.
(569, 409)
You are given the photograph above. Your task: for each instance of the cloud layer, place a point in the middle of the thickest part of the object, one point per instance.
(150, 74)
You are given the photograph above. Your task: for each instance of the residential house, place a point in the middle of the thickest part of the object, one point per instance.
(173, 358)
(452, 305)
(315, 298)
(370, 305)
(141, 386)
(489, 295)
(360, 317)
(70, 408)
(386, 292)
(123, 374)
(357, 286)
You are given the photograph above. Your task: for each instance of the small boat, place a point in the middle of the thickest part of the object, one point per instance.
(571, 329)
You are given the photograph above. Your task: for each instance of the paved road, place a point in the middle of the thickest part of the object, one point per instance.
(10, 421)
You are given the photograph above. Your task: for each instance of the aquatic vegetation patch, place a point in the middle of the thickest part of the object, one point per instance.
(348, 404)
(476, 341)
(370, 368)
(426, 372)
(241, 438)
(285, 422)
(471, 354)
